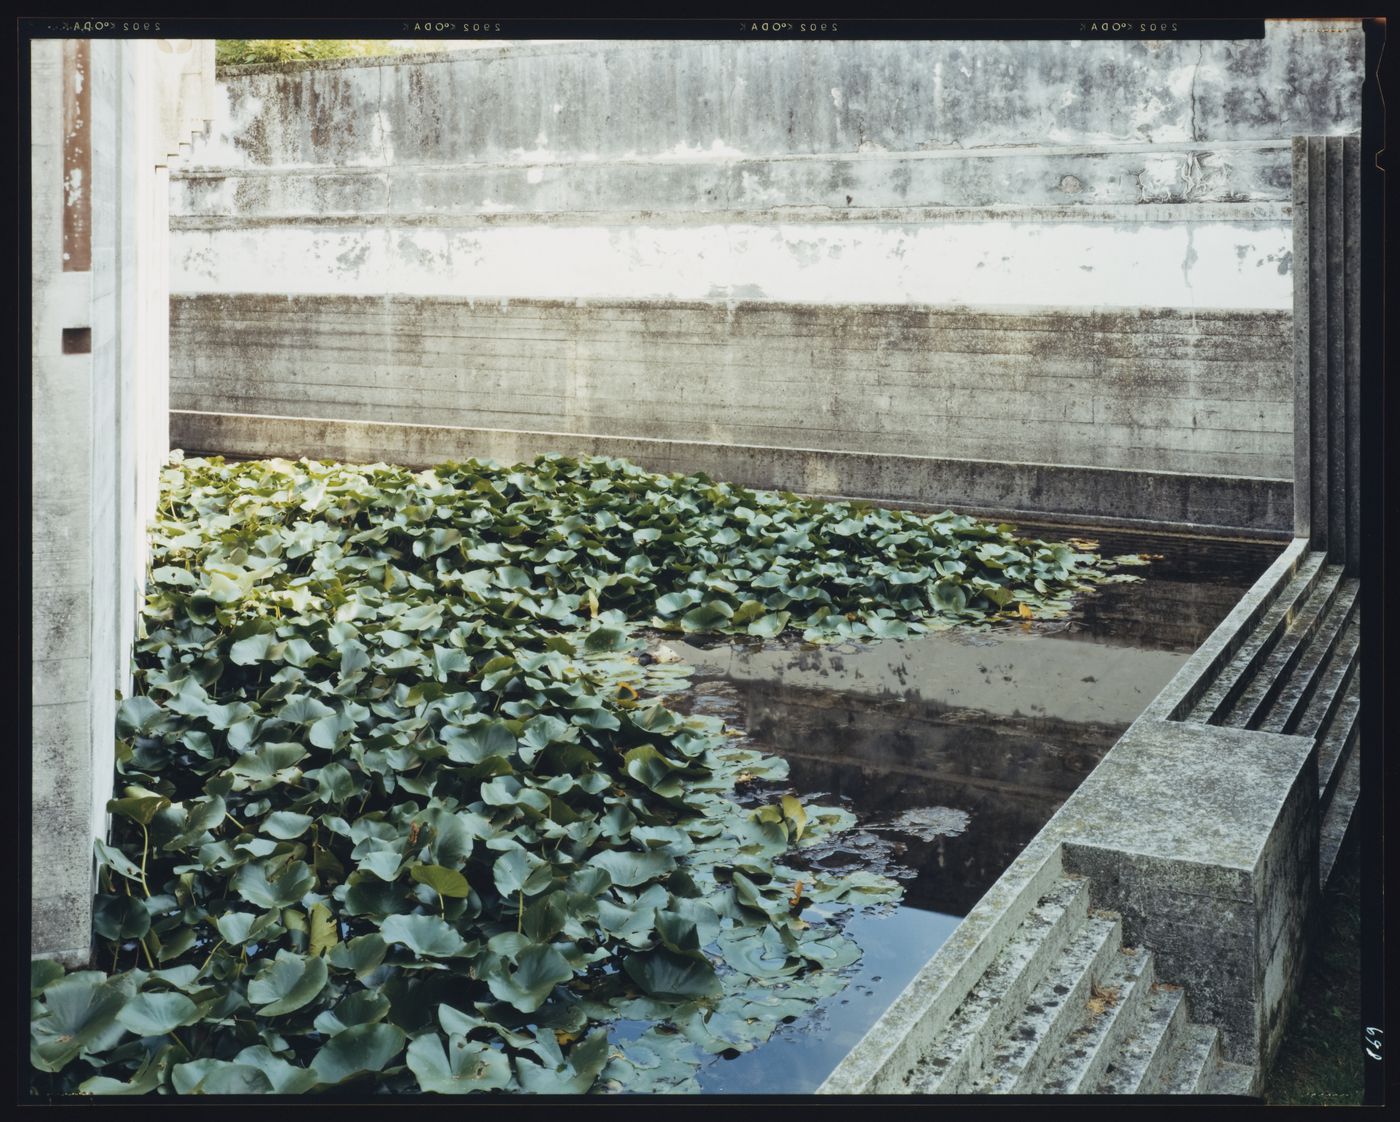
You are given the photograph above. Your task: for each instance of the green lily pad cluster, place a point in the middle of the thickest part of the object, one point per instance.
(399, 806)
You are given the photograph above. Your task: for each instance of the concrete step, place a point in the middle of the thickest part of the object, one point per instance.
(1232, 1079)
(1236, 675)
(1055, 1008)
(1316, 687)
(1139, 1062)
(1301, 630)
(1079, 1063)
(1336, 742)
(981, 1019)
(1336, 820)
(1197, 1057)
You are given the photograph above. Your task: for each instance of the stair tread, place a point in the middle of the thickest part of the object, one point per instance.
(1330, 680)
(1260, 640)
(1274, 669)
(1143, 1052)
(1054, 1006)
(1231, 1079)
(1086, 1051)
(1002, 990)
(1336, 740)
(1197, 1055)
(1337, 817)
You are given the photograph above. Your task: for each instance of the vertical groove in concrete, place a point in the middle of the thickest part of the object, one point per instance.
(1336, 355)
(1302, 341)
(1352, 358)
(1316, 202)
(1326, 348)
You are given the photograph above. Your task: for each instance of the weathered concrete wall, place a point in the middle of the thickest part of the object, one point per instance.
(1119, 389)
(106, 118)
(892, 246)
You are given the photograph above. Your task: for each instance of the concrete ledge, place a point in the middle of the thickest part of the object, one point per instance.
(1162, 500)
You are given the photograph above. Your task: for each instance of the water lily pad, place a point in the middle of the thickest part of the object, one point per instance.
(427, 935)
(287, 983)
(664, 973)
(460, 1067)
(358, 1050)
(538, 969)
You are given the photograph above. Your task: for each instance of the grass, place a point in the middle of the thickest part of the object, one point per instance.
(1320, 1061)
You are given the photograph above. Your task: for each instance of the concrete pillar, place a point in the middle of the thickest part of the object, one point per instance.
(100, 429)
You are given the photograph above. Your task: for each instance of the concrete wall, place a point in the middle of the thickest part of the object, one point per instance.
(1052, 253)
(107, 116)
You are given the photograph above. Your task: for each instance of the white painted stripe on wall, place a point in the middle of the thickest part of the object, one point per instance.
(1244, 265)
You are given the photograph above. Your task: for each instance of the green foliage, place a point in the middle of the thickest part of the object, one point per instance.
(241, 52)
(400, 804)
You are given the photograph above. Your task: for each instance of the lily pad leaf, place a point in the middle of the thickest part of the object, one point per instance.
(605, 639)
(707, 616)
(561, 1076)
(358, 1050)
(140, 809)
(286, 825)
(76, 1011)
(274, 885)
(155, 1014)
(289, 982)
(252, 650)
(363, 1007)
(323, 934)
(286, 1079)
(650, 768)
(239, 927)
(120, 917)
(139, 716)
(426, 935)
(664, 973)
(219, 1077)
(629, 868)
(44, 972)
(463, 1066)
(539, 968)
(360, 955)
(445, 882)
(518, 870)
(114, 859)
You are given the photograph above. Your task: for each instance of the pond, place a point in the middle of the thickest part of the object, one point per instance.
(952, 749)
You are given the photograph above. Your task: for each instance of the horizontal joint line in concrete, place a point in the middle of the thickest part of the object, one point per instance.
(1262, 212)
(754, 448)
(487, 301)
(1170, 147)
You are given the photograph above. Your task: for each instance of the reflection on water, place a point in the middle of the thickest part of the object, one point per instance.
(999, 725)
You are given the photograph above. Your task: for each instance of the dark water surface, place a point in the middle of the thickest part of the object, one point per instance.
(952, 749)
